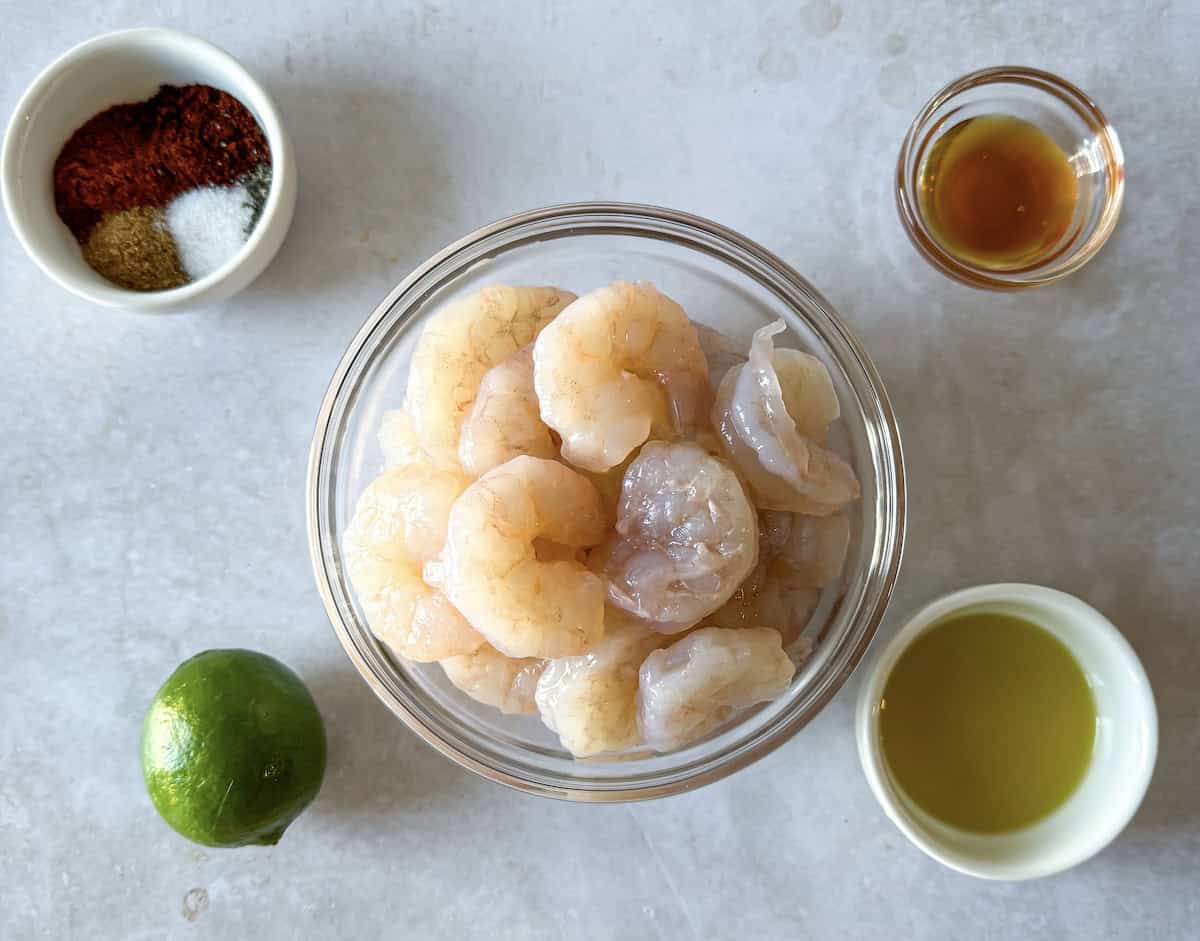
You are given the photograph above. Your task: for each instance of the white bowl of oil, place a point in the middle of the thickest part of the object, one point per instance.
(1008, 730)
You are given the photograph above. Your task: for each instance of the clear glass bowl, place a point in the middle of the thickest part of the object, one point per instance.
(1072, 121)
(721, 279)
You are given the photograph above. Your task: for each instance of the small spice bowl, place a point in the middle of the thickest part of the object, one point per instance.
(1121, 762)
(116, 68)
(1070, 119)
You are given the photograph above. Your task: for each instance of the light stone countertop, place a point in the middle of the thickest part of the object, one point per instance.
(153, 467)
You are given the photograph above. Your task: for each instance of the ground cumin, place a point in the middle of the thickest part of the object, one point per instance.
(134, 250)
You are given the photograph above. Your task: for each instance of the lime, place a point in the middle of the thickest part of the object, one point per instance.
(233, 748)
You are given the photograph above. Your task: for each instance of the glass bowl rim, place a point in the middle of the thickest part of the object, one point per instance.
(1047, 83)
(635, 219)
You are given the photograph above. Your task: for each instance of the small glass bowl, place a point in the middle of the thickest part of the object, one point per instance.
(1070, 118)
(721, 279)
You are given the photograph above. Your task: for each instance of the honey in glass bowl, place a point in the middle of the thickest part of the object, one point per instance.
(997, 191)
(1009, 178)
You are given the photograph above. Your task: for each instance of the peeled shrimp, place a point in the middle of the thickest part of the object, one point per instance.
(398, 439)
(617, 365)
(771, 413)
(400, 522)
(697, 684)
(797, 555)
(405, 512)
(504, 421)
(813, 547)
(804, 383)
(590, 700)
(460, 344)
(686, 537)
(771, 595)
(523, 605)
(493, 679)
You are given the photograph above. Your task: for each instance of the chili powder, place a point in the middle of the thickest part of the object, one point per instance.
(147, 153)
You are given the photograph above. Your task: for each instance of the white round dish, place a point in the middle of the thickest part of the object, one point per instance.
(129, 66)
(1122, 758)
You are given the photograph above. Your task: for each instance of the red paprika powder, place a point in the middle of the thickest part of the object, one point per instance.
(147, 153)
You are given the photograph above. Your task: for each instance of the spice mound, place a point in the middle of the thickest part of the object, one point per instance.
(164, 191)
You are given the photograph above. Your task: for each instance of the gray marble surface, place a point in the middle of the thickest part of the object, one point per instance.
(151, 487)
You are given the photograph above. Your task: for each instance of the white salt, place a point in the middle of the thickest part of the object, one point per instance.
(209, 225)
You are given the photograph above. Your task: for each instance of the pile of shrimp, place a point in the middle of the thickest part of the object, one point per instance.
(595, 510)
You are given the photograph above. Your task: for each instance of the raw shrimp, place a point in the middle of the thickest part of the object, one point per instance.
(398, 440)
(490, 569)
(399, 522)
(686, 537)
(804, 383)
(417, 621)
(405, 512)
(797, 555)
(770, 596)
(504, 421)
(697, 684)
(617, 365)
(590, 700)
(771, 431)
(813, 547)
(493, 679)
(460, 344)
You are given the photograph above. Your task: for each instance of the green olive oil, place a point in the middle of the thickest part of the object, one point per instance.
(987, 722)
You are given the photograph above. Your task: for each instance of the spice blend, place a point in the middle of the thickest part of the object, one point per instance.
(120, 177)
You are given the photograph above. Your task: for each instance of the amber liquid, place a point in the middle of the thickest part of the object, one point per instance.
(996, 191)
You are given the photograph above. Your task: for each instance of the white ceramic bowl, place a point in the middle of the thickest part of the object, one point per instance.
(1122, 759)
(120, 67)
